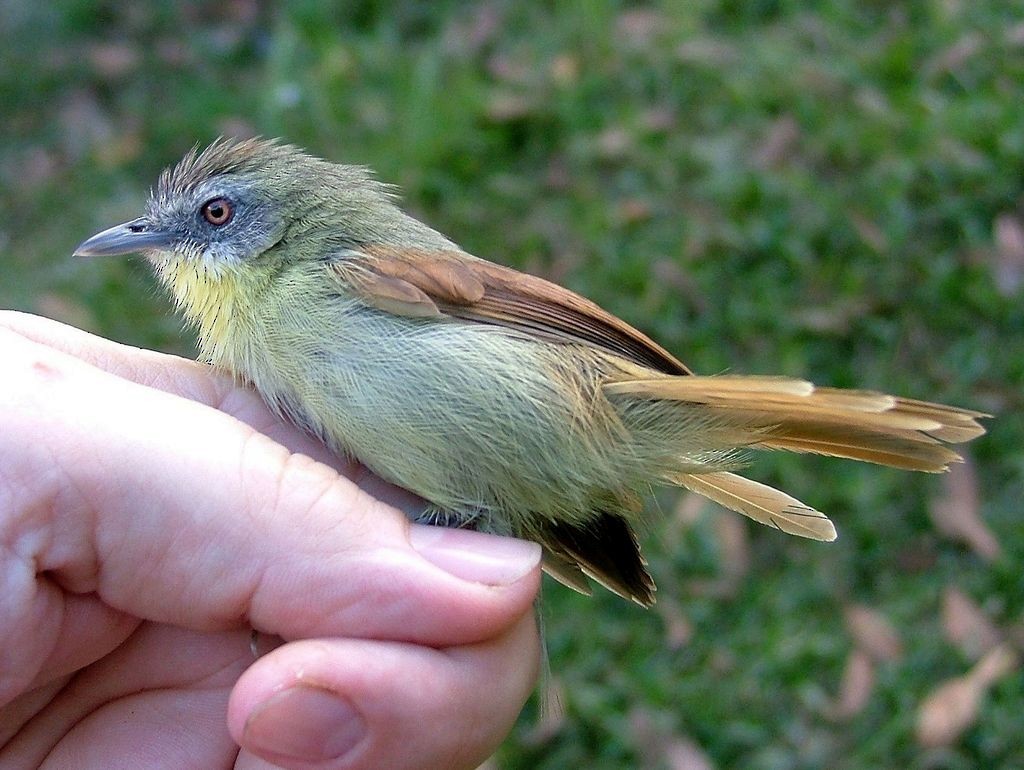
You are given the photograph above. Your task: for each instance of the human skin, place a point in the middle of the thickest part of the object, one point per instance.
(153, 513)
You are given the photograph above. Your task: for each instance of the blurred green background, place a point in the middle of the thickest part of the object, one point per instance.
(828, 190)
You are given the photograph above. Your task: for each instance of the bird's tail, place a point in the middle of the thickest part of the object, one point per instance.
(783, 413)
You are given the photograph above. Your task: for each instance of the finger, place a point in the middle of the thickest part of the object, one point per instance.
(204, 384)
(159, 700)
(171, 511)
(338, 703)
(171, 374)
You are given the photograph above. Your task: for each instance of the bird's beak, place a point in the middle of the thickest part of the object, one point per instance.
(127, 238)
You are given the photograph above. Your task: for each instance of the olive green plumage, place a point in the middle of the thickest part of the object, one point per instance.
(506, 402)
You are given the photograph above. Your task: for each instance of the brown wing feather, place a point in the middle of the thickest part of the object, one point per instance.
(606, 550)
(462, 286)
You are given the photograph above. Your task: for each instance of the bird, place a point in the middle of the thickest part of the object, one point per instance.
(508, 403)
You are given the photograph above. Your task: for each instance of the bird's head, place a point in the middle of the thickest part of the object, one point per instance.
(227, 208)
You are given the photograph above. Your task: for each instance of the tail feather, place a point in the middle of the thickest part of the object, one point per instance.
(782, 413)
(761, 503)
(896, 453)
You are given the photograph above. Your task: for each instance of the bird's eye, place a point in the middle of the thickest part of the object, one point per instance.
(218, 211)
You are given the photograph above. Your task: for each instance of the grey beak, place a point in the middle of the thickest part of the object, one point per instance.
(127, 238)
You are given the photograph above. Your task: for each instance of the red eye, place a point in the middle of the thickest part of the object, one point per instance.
(218, 211)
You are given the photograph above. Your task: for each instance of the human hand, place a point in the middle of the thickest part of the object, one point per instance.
(152, 513)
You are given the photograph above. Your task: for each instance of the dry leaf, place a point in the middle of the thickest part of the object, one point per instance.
(507, 107)
(637, 28)
(678, 628)
(565, 69)
(732, 533)
(778, 144)
(659, 747)
(632, 210)
(953, 706)
(1014, 35)
(966, 625)
(647, 739)
(1008, 256)
(613, 143)
(869, 232)
(873, 633)
(659, 119)
(684, 754)
(113, 60)
(856, 686)
(956, 55)
(687, 512)
(947, 712)
(507, 69)
(956, 514)
(236, 126)
(474, 29)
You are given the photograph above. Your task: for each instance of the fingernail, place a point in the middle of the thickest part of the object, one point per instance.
(469, 555)
(305, 723)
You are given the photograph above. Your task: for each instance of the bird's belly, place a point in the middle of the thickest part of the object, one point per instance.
(470, 418)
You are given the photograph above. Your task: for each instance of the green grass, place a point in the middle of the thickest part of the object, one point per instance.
(768, 187)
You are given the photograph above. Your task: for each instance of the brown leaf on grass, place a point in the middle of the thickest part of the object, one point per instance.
(646, 735)
(955, 514)
(113, 60)
(966, 625)
(856, 686)
(565, 69)
(173, 52)
(508, 107)
(614, 143)
(1014, 35)
(632, 210)
(659, 747)
(474, 30)
(869, 232)
(684, 754)
(85, 123)
(873, 633)
(508, 69)
(659, 119)
(32, 168)
(733, 538)
(638, 27)
(777, 145)
(236, 126)
(956, 55)
(953, 706)
(688, 511)
(678, 628)
(947, 712)
(1007, 260)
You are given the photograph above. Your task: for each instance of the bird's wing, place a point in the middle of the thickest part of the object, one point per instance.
(422, 283)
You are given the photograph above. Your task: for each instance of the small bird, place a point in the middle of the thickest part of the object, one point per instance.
(508, 403)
